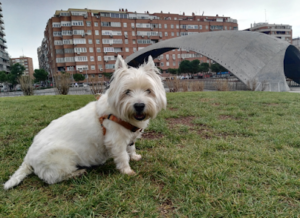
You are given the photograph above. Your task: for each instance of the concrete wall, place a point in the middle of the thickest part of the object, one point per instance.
(248, 55)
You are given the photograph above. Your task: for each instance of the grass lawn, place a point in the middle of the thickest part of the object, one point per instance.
(210, 154)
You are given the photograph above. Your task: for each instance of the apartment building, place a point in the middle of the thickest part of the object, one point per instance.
(26, 62)
(88, 41)
(280, 31)
(4, 58)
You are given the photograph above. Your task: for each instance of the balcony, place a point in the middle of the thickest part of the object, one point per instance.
(2, 33)
(1, 15)
(1, 20)
(0, 8)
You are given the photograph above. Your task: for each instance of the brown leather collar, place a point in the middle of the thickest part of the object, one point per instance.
(119, 121)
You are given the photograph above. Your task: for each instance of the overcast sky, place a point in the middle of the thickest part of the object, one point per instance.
(25, 20)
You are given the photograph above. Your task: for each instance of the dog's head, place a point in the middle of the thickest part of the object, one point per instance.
(136, 94)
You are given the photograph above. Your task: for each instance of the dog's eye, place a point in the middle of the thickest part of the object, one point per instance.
(148, 90)
(127, 92)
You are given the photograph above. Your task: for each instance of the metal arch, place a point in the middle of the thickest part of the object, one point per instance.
(248, 55)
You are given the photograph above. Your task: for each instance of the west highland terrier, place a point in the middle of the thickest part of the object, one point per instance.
(103, 129)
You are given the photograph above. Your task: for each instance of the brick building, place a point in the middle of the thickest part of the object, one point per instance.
(88, 41)
(26, 62)
(280, 31)
(4, 58)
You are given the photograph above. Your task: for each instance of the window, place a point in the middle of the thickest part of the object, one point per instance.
(58, 42)
(90, 41)
(206, 27)
(134, 49)
(177, 26)
(91, 49)
(200, 27)
(167, 64)
(78, 32)
(82, 67)
(166, 33)
(98, 49)
(174, 63)
(99, 58)
(69, 59)
(178, 55)
(124, 24)
(177, 34)
(80, 58)
(56, 33)
(89, 32)
(127, 49)
(97, 41)
(133, 41)
(92, 58)
(97, 32)
(126, 41)
(109, 49)
(93, 68)
(133, 33)
(132, 25)
(69, 50)
(65, 23)
(59, 51)
(166, 26)
(60, 60)
(79, 41)
(95, 23)
(77, 23)
(162, 64)
(57, 25)
(109, 66)
(88, 23)
(67, 41)
(100, 68)
(78, 50)
(172, 34)
(159, 25)
(172, 26)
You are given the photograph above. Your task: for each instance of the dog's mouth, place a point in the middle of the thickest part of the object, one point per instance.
(140, 116)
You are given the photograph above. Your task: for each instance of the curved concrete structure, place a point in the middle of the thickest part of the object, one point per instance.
(248, 55)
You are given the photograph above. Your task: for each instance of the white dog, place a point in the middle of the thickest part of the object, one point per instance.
(80, 139)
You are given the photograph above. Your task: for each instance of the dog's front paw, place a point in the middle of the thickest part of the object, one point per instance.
(128, 171)
(136, 157)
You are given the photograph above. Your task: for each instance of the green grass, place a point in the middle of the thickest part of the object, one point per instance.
(210, 154)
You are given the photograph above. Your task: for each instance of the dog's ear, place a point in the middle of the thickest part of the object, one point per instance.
(120, 63)
(150, 66)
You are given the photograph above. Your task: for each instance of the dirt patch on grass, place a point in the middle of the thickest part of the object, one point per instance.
(187, 121)
(226, 117)
(172, 109)
(215, 104)
(152, 135)
(166, 208)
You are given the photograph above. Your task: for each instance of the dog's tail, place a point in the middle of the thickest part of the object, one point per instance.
(23, 171)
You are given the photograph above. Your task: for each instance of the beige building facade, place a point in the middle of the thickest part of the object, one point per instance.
(26, 62)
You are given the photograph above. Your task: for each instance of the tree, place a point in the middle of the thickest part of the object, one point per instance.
(78, 77)
(3, 77)
(40, 75)
(195, 67)
(185, 66)
(204, 67)
(16, 71)
(218, 68)
(173, 71)
(107, 75)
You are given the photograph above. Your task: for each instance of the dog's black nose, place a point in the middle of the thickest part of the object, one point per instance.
(139, 107)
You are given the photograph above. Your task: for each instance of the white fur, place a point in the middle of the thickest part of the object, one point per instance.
(76, 139)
